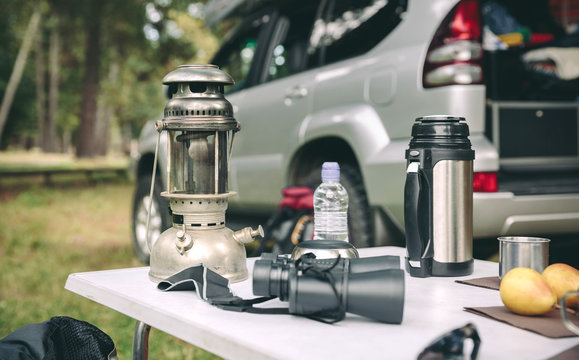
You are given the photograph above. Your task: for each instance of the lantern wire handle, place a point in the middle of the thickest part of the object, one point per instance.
(152, 189)
(230, 148)
(229, 155)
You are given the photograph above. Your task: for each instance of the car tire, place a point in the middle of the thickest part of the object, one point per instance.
(158, 222)
(360, 228)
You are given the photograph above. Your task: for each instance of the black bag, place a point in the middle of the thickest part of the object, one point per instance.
(291, 224)
(60, 338)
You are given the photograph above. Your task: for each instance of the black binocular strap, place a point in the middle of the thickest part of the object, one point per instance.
(214, 289)
(329, 316)
(238, 304)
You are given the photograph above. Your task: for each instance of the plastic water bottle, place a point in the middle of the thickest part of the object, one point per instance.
(331, 206)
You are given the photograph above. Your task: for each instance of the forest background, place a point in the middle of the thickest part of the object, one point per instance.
(91, 70)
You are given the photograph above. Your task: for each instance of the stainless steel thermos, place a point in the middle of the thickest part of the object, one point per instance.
(438, 198)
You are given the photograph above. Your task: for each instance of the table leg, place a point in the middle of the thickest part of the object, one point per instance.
(141, 341)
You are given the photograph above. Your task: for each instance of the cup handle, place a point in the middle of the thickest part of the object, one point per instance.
(566, 321)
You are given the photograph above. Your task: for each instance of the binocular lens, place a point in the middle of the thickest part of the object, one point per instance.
(377, 295)
(267, 277)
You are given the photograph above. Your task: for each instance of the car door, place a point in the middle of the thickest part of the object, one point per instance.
(271, 110)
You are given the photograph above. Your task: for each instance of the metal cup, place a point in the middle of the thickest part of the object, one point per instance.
(522, 251)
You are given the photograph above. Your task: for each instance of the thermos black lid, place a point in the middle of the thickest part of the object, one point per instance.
(443, 126)
(440, 118)
(445, 135)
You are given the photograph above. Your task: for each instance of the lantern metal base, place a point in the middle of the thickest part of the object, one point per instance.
(199, 236)
(217, 249)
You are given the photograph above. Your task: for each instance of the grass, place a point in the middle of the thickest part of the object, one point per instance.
(48, 233)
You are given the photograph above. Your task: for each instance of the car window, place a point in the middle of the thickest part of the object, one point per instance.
(238, 55)
(288, 54)
(353, 27)
(238, 62)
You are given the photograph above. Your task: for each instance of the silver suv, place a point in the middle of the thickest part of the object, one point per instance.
(343, 80)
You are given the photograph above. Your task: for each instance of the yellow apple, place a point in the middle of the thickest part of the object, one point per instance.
(563, 278)
(524, 291)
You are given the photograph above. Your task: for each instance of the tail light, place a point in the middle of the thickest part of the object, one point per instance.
(485, 182)
(455, 52)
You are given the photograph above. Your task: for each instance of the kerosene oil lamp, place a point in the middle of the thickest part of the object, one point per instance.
(200, 128)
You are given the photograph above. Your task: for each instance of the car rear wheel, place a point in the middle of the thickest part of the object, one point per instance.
(158, 221)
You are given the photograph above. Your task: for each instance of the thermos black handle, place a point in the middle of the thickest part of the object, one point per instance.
(411, 223)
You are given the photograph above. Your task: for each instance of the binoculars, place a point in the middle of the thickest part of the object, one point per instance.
(372, 287)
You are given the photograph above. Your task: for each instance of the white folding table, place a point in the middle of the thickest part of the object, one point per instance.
(432, 307)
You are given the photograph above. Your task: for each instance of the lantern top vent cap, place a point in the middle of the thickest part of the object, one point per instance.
(198, 73)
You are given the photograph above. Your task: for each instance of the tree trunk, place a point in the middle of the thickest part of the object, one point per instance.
(54, 51)
(85, 142)
(19, 64)
(127, 139)
(106, 113)
(66, 143)
(39, 77)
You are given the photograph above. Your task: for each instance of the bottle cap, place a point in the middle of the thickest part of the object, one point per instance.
(330, 171)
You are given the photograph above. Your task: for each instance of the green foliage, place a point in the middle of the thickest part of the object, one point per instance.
(135, 92)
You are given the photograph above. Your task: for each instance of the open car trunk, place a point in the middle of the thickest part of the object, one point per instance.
(532, 78)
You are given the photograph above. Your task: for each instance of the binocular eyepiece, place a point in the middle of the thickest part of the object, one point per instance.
(372, 287)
